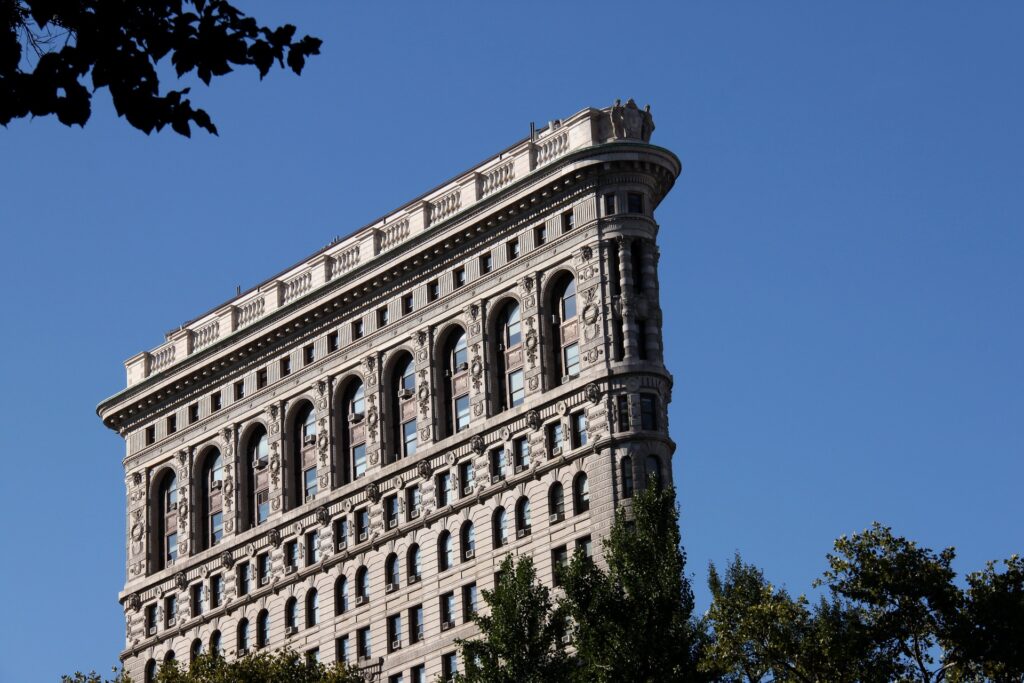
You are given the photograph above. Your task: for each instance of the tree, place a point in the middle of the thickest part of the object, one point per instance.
(93, 677)
(521, 639)
(989, 639)
(632, 622)
(48, 47)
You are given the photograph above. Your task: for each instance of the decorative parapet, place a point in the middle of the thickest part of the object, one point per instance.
(584, 129)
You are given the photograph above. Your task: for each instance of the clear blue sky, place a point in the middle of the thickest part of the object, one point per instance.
(842, 261)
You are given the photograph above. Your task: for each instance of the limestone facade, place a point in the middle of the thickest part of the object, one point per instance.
(338, 460)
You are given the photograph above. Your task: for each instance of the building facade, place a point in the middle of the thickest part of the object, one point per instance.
(338, 460)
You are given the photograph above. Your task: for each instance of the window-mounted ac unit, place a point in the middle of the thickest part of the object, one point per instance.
(340, 545)
(171, 621)
(216, 485)
(445, 625)
(556, 517)
(364, 658)
(362, 600)
(396, 645)
(290, 569)
(264, 580)
(172, 506)
(566, 378)
(152, 630)
(467, 490)
(392, 523)
(309, 439)
(355, 418)
(462, 367)
(243, 651)
(405, 394)
(556, 451)
(415, 578)
(291, 630)
(259, 464)
(520, 468)
(391, 588)
(522, 533)
(414, 513)
(363, 535)
(469, 554)
(495, 478)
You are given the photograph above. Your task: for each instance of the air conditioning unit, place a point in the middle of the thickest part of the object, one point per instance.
(495, 478)
(364, 659)
(415, 578)
(173, 506)
(290, 569)
(469, 554)
(264, 580)
(522, 533)
(392, 523)
(363, 535)
(419, 635)
(467, 490)
(520, 468)
(445, 625)
(462, 367)
(414, 513)
(355, 418)
(243, 651)
(309, 439)
(216, 485)
(405, 394)
(171, 621)
(340, 545)
(556, 517)
(362, 600)
(396, 645)
(566, 378)
(556, 451)
(152, 630)
(259, 464)
(290, 630)
(391, 588)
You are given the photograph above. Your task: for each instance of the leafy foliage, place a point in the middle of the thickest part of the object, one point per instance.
(521, 638)
(120, 43)
(284, 666)
(93, 677)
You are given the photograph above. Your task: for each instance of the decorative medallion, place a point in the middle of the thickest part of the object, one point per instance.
(450, 458)
(533, 420)
(424, 469)
(250, 549)
(593, 393)
(586, 252)
(373, 492)
(134, 602)
(274, 537)
(563, 408)
(477, 444)
(227, 561)
(180, 581)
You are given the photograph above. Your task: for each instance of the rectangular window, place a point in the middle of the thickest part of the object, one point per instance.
(362, 524)
(461, 413)
(333, 342)
(641, 339)
(521, 454)
(291, 554)
(357, 329)
(341, 652)
(622, 408)
(568, 222)
(467, 477)
(150, 435)
(216, 591)
(409, 437)
(412, 502)
(485, 263)
(309, 483)
(197, 600)
(540, 235)
(263, 568)
(396, 678)
(363, 643)
(172, 424)
(447, 610)
(497, 463)
(571, 360)
(559, 563)
(170, 611)
(433, 290)
(308, 354)
(382, 316)
(416, 624)
(648, 416)
(261, 378)
(609, 204)
(286, 366)
(444, 489)
(312, 548)
(359, 460)
(193, 413)
(407, 304)
(449, 666)
(262, 506)
(313, 656)
(585, 546)
(579, 429)
(394, 632)
(215, 402)
(244, 578)
(555, 438)
(459, 277)
(151, 619)
(418, 674)
(216, 527)
(239, 390)
(172, 548)
(512, 249)
(634, 202)
(391, 511)
(516, 388)
(468, 602)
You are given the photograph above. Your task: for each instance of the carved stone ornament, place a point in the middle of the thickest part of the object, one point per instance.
(180, 581)
(633, 384)
(477, 371)
(274, 537)
(593, 393)
(531, 347)
(273, 411)
(371, 376)
(533, 420)
(229, 487)
(629, 122)
(450, 458)
(321, 390)
(506, 433)
(134, 602)
(347, 506)
(371, 422)
(227, 561)
(563, 408)
(527, 284)
(478, 409)
(373, 492)
(533, 383)
(586, 252)
(183, 457)
(250, 549)
(477, 444)
(421, 337)
(424, 469)
(182, 506)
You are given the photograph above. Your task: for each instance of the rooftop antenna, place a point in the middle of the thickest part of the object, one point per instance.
(238, 290)
(533, 131)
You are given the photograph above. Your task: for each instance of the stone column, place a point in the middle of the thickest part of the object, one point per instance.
(230, 487)
(323, 390)
(426, 392)
(476, 343)
(375, 423)
(627, 305)
(529, 315)
(275, 443)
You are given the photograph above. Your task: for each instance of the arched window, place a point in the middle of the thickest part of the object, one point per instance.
(653, 467)
(257, 489)
(150, 673)
(564, 353)
(312, 608)
(523, 525)
(392, 573)
(263, 629)
(211, 499)
(627, 477)
(454, 408)
(165, 524)
(341, 595)
(580, 494)
(291, 613)
(302, 480)
(412, 563)
(352, 454)
(444, 551)
(556, 503)
(243, 636)
(509, 356)
(362, 586)
(215, 643)
(499, 528)
(468, 541)
(169, 656)
(403, 408)
(195, 650)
